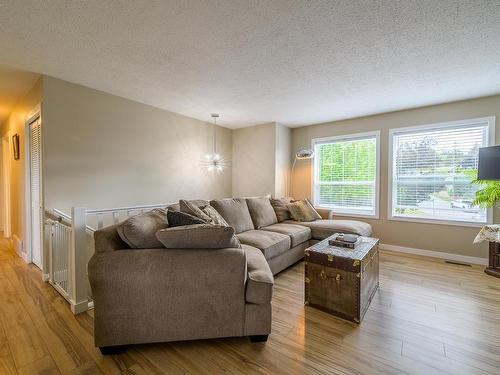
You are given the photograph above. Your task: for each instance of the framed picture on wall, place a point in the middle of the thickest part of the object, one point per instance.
(15, 144)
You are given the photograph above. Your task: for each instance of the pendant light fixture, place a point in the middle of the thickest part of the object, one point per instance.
(214, 162)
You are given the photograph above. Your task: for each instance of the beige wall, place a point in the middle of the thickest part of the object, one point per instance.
(253, 161)
(282, 160)
(15, 124)
(261, 160)
(104, 151)
(443, 238)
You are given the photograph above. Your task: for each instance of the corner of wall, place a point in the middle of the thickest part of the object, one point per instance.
(254, 160)
(283, 146)
(15, 124)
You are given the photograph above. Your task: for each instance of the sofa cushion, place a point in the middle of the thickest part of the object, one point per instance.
(261, 211)
(260, 280)
(280, 209)
(321, 229)
(271, 244)
(297, 233)
(303, 211)
(235, 212)
(200, 236)
(192, 209)
(139, 231)
(177, 219)
(198, 202)
(215, 217)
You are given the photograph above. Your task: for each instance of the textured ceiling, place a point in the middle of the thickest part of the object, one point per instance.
(14, 84)
(294, 62)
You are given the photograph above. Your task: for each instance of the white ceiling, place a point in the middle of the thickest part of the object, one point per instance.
(294, 62)
(14, 84)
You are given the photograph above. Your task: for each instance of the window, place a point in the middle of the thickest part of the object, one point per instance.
(346, 173)
(432, 168)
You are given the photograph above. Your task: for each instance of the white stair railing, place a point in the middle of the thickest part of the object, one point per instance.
(71, 245)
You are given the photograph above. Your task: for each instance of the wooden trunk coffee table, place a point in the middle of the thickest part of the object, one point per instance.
(342, 281)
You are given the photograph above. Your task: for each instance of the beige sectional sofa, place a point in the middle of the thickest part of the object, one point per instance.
(282, 243)
(159, 295)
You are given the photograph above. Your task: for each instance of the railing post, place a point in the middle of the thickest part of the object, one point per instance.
(79, 292)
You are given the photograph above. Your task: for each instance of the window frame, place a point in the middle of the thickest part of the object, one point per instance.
(349, 137)
(490, 120)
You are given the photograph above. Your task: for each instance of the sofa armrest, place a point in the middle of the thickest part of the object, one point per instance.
(260, 279)
(172, 294)
(325, 213)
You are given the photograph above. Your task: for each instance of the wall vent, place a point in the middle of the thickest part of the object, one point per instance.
(457, 263)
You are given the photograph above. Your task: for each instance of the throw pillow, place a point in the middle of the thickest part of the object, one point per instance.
(216, 218)
(192, 209)
(202, 236)
(196, 202)
(139, 231)
(303, 211)
(279, 205)
(177, 218)
(262, 212)
(235, 212)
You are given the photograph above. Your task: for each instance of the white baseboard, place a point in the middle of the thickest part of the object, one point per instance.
(17, 244)
(45, 277)
(80, 307)
(435, 254)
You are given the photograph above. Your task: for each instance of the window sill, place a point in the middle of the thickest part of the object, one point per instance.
(349, 214)
(469, 224)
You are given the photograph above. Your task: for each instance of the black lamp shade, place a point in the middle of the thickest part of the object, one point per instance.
(489, 163)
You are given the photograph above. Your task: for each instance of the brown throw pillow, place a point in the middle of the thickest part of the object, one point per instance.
(178, 219)
(215, 217)
(192, 209)
(280, 208)
(139, 231)
(303, 211)
(201, 236)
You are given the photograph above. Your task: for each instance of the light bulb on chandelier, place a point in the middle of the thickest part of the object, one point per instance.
(215, 161)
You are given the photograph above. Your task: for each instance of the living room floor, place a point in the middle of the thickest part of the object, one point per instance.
(427, 317)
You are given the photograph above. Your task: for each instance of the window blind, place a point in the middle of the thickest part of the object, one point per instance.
(432, 170)
(346, 174)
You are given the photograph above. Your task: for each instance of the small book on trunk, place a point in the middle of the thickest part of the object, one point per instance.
(349, 241)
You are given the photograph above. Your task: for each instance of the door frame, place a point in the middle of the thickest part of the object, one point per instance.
(2, 196)
(34, 114)
(6, 181)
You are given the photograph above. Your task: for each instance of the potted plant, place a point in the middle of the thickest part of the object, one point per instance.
(488, 195)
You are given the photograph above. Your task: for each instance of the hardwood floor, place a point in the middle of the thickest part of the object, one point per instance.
(428, 317)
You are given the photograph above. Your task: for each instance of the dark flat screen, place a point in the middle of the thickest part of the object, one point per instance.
(489, 163)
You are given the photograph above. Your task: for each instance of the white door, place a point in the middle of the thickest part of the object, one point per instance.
(36, 191)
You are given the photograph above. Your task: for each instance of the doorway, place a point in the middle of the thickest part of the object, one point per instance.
(35, 214)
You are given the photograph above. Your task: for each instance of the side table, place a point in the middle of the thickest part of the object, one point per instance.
(491, 233)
